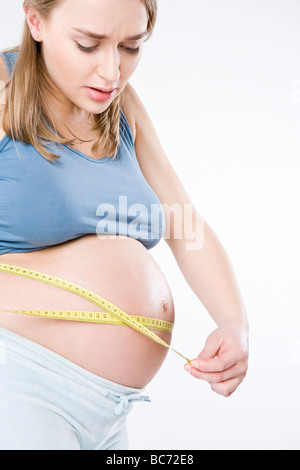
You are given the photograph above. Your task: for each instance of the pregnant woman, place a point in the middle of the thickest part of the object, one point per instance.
(86, 314)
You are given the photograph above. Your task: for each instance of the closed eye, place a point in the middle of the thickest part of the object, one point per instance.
(91, 49)
(132, 51)
(85, 49)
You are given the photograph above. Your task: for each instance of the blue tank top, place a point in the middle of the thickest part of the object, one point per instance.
(44, 204)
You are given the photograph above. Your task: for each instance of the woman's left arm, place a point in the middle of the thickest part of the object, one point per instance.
(200, 256)
(223, 362)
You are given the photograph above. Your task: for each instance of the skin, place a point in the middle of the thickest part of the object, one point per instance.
(121, 270)
(109, 65)
(223, 361)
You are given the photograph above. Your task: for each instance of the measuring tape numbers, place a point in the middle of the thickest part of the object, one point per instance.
(112, 314)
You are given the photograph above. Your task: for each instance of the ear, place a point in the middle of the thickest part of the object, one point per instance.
(34, 22)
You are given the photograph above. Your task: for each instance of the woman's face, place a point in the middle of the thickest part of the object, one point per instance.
(79, 62)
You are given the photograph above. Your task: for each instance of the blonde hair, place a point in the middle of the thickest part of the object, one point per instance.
(26, 117)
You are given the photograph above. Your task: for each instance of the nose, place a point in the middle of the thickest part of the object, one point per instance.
(109, 66)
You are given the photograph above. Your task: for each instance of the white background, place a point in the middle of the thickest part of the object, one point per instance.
(221, 82)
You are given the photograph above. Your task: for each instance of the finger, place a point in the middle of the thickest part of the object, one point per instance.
(228, 387)
(215, 377)
(215, 364)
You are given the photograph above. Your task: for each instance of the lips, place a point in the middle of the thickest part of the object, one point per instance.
(103, 90)
(98, 94)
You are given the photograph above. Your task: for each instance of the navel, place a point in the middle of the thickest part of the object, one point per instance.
(164, 307)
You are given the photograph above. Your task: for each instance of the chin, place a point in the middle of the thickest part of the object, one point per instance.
(91, 108)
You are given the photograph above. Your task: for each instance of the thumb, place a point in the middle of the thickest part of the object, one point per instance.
(211, 347)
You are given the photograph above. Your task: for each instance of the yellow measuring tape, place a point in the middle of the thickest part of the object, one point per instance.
(113, 315)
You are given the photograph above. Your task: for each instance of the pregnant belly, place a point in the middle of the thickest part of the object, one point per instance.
(120, 270)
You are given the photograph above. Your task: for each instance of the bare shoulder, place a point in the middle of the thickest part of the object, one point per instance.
(4, 79)
(135, 111)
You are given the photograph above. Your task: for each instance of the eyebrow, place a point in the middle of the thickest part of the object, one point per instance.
(103, 36)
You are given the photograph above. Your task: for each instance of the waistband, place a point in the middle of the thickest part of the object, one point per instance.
(122, 395)
(45, 357)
